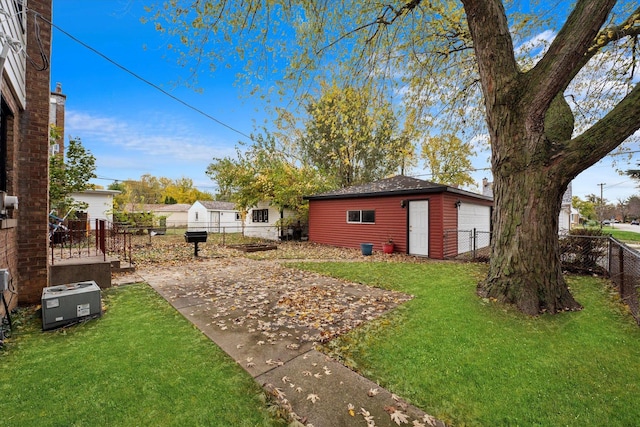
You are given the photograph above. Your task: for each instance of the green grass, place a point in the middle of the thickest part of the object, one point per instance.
(472, 362)
(623, 236)
(141, 364)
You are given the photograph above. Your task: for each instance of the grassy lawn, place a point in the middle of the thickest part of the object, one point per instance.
(141, 364)
(623, 236)
(472, 362)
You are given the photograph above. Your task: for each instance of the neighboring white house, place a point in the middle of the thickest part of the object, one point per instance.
(176, 214)
(214, 217)
(565, 219)
(100, 204)
(261, 221)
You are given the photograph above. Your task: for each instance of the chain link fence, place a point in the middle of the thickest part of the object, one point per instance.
(606, 256)
(624, 272)
(590, 253)
(467, 245)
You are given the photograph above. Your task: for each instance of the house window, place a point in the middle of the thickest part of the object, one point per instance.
(237, 216)
(19, 8)
(4, 122)
(196, 216)
(260, 215)
(364, 217)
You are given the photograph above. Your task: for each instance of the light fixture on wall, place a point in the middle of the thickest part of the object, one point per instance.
(458, 203)
(403, 203)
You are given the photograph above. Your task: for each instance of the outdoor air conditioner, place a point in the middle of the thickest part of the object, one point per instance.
(66, 304)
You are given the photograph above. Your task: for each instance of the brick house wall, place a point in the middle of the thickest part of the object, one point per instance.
(33, 167)
(24, 234)
(8, 226)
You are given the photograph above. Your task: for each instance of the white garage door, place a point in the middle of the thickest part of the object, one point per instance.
(470, 217)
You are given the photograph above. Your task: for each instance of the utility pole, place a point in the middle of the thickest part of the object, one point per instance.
(601, 202)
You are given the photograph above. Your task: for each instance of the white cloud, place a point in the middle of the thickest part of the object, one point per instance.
(161, 146)
(156, 138)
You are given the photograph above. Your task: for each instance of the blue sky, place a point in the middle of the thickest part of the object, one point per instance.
(130, 127)
(133, 129)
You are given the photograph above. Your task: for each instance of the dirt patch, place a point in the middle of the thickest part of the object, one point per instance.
(255, 247)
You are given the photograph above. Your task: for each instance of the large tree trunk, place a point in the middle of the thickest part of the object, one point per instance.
(525, 266)
(534, 155)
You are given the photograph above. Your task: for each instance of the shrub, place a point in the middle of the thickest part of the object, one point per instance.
(583, 250)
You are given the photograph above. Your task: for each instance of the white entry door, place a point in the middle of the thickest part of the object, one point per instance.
(214, 222)
(419, 227)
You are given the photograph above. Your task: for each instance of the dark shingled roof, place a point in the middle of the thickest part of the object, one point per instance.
(218, 206)
(396, 185)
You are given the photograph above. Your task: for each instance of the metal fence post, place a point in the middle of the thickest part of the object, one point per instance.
(474, 243)
(101, 233)
(621, 272)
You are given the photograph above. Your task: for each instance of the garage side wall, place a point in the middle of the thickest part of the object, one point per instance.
(328, 222)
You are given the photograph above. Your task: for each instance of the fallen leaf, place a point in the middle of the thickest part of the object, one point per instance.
(430, 420)
(372, 392)
(351, 410)
(277, 392)
(399, 417)
(313, 397)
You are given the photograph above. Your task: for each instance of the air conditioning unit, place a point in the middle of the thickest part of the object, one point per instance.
(66, 304)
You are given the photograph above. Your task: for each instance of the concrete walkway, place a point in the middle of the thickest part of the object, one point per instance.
(268, 318)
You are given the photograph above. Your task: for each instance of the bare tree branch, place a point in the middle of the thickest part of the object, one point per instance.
(553, 73)
(380, 21)
(606, 134)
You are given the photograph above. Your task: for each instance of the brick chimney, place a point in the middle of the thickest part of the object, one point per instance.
(56, 117)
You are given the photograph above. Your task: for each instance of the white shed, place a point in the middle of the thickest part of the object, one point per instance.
(100, 204)
(261, 219)
(214, 217)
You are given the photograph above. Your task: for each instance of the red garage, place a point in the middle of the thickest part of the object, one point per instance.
(412, 212)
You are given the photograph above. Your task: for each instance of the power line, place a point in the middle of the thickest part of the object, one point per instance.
(142, 79)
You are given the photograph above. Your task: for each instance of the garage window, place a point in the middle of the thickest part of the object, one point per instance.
(361, 216)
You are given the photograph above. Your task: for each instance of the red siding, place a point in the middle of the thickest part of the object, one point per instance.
(436, 213)
(328, 221)
(450, 222)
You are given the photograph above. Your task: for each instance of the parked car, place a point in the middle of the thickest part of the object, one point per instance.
(635, 222)
(606, 222)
